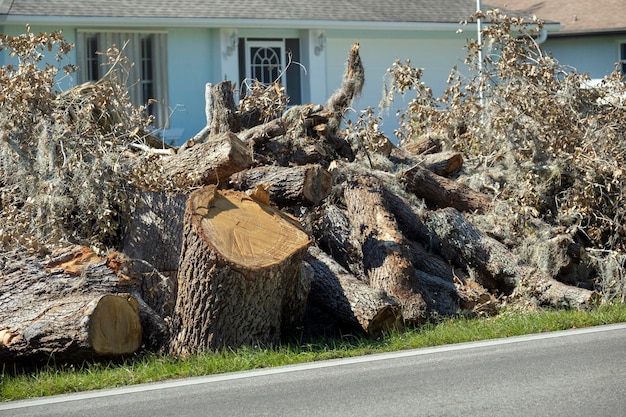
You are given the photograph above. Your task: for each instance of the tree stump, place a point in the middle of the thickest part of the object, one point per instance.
(239, 278)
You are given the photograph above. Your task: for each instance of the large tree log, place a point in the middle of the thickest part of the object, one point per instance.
(206, 163)
(71, 306)
(239, 280)
(307, 185)
(497, 267)
(353, 303)
(333, 231)
(443, 192)
(386, 261)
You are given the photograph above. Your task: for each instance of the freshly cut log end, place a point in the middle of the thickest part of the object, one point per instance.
(114, 325)
(74, 327)
(244, 231)
(240, 277)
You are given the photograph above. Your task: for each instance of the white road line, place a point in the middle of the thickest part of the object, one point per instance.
(300, 367)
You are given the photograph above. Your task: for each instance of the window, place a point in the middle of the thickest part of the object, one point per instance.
(622, 57)
(148, 76)
(265, 60)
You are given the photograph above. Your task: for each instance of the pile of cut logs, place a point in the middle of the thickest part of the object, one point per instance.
(280, 225)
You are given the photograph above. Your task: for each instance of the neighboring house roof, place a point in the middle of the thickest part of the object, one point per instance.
(577, 16)
(296, 11)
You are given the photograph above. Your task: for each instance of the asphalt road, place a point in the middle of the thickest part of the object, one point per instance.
(572, 373)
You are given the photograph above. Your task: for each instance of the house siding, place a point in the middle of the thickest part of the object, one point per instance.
(197, 56)
(190, 67)
(436, 52)
(595, 55)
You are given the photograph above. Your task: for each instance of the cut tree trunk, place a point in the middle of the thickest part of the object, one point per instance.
(442, 163)
(498, 268)
(306, 185)
(332, 230)
(73, 307)
(423, 145)
(239, 280)
(443, 192)
(386, 261)
(206, 163)
(353, 303)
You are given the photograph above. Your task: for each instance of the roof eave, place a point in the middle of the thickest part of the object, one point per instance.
(225, 23)
(589, 32)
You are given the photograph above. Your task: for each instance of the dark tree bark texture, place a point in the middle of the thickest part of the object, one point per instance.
(240, 280)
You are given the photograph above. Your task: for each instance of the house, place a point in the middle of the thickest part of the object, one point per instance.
(180, 46)
(593, 37)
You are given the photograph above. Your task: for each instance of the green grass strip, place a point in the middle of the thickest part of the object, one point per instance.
(149, 367)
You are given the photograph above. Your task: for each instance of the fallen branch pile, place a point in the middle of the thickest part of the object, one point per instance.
(241, 236)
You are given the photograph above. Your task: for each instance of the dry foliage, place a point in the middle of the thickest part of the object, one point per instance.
(542, 140)
(62, 176)
(545, 144)
(269, 100)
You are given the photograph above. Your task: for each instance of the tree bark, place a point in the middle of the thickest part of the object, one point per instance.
(73, 307)
(333, 231)
(306, 185)
(263, 133)
(239, 280)
(444, 164)
(224, 117)
(351, 87)
(386, 260)
(206, 163)
(155, 229)
(443, 192)
(461, 242)
(355, 304)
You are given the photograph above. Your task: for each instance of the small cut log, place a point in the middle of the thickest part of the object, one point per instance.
(353, 303)
(443, 192)
(443, 163)
(307, 185)
(211, 162)
(240, 280)
(262, 133)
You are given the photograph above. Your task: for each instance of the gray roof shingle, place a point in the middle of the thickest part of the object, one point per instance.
(434, 11)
